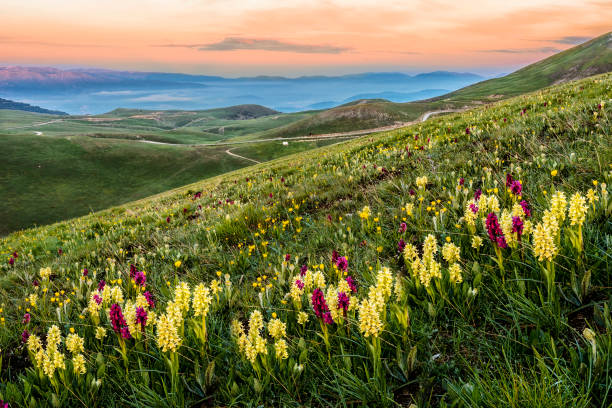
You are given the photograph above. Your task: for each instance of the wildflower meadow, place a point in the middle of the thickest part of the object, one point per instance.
(464, 261)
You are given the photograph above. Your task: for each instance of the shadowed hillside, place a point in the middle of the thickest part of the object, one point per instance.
(11, 105)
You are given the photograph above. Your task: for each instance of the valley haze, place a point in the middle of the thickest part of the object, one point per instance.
(94, 91)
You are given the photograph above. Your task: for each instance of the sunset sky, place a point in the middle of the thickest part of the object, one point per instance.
(294, 37)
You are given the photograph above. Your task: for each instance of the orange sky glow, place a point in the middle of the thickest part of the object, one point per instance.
(294, 37)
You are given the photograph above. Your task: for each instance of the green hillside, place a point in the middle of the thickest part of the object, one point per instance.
(75, 175)
(175, 118)
(477, 246)
(364, 115)
(591, 58)
(71, 166)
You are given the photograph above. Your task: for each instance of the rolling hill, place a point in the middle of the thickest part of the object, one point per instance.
(84, 164)
(238, 112)
(460, 262)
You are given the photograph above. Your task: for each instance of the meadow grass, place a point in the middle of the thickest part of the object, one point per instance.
(464, 261)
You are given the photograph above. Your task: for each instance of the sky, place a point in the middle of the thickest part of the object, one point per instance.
(295, 37)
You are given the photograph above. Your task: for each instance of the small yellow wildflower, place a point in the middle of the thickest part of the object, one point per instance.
(302, 318)
(167, 334)
(277, 329)
(455, 273)
(201, 300)
(577, 209)
(543, 243)
(100, 333)
(78, 364)
(74, 343)
(450, 252)
(280, 349)
(369, 318)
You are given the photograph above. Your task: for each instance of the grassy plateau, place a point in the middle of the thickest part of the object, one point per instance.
(460, 262)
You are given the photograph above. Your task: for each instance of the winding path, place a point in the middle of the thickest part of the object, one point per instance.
(35, 124)
(428, 114)
(229, 151)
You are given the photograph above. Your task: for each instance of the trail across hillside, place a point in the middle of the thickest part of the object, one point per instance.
(426, 115)
(34, 124)
(229, 151)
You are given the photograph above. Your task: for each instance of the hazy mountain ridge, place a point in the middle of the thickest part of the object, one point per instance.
(94, 91)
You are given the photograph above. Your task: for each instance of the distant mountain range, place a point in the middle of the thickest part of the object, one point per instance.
(19, 77)
(7, 104)
(81, 91)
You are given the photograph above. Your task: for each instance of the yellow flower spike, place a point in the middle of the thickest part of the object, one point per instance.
(553, 173)
(178, 264)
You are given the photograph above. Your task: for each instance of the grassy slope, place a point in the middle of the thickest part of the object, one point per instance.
(591, 58)
(76, 175)
(367, 115)
(78, 166)
(12, 119)
(507, 345)
(265, 151)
